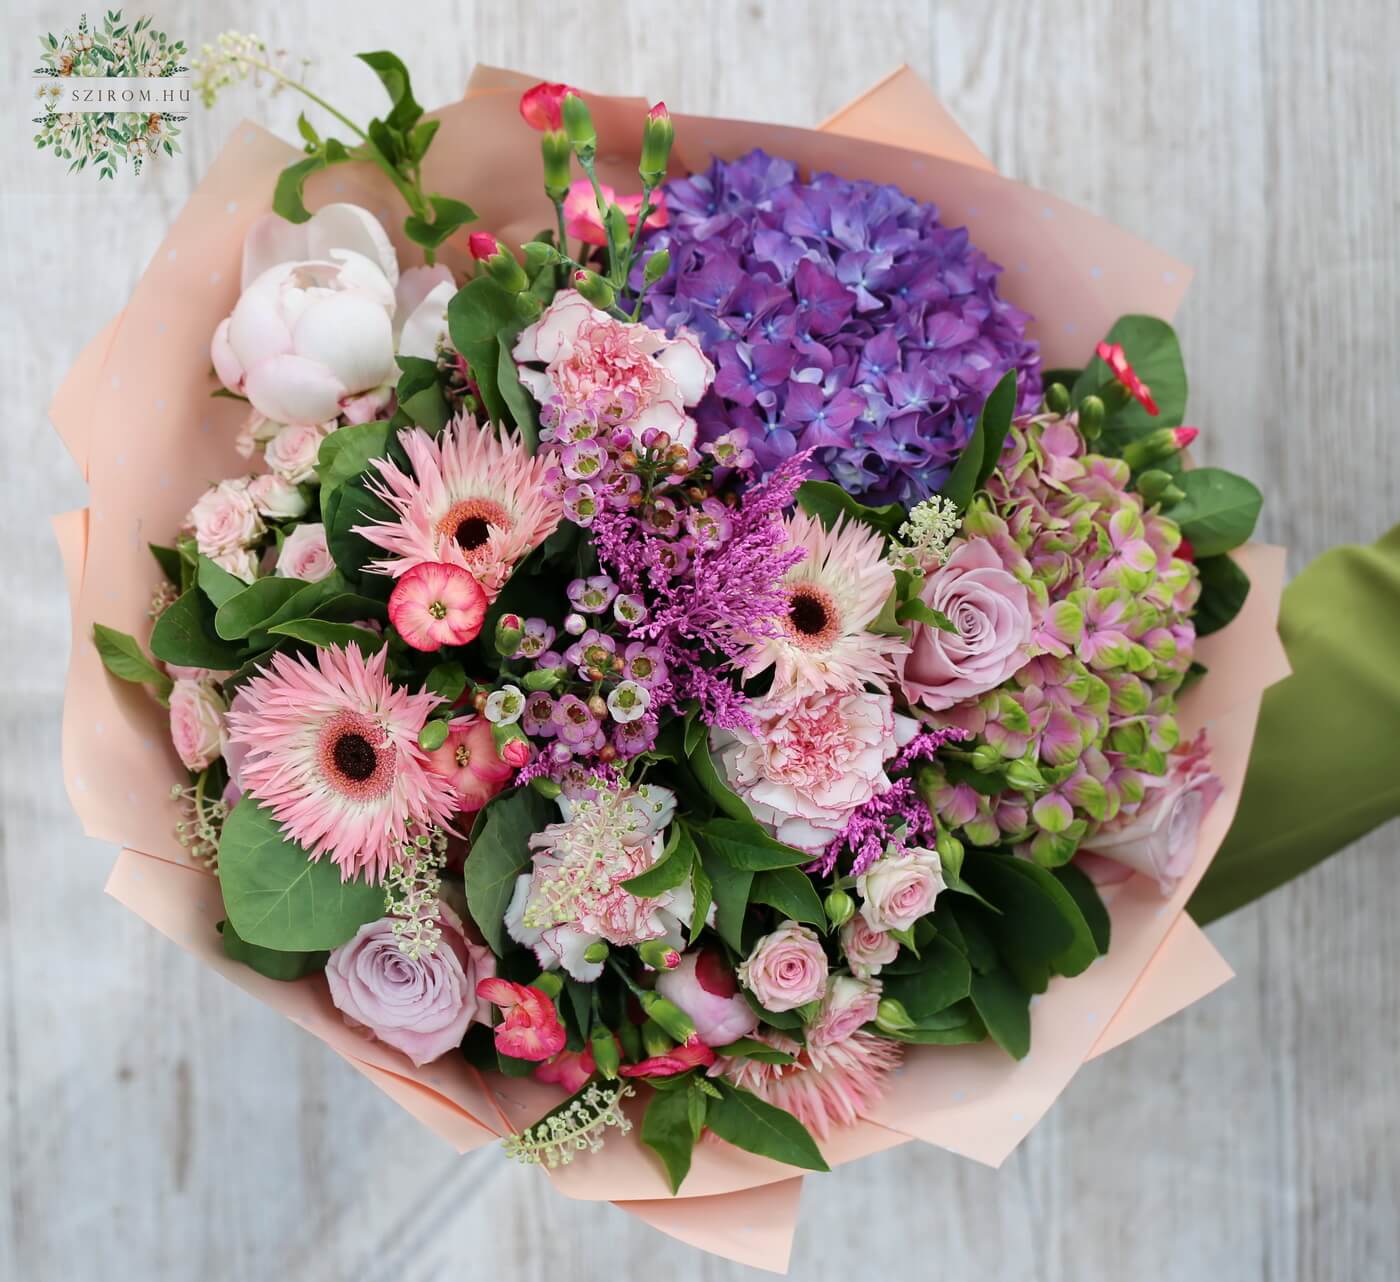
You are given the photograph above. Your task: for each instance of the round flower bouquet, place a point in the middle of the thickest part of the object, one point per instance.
(674, 666)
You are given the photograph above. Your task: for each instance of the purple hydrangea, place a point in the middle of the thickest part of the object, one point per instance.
(842, 317)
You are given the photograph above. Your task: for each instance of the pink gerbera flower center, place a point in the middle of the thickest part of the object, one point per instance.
(813, 620)
(355, 757)
(470, 523)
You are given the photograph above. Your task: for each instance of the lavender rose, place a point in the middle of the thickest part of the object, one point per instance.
(786, 969)
(421, 1007)
(992, 612)
(1159, 838)
(706, 990)
(899, 889)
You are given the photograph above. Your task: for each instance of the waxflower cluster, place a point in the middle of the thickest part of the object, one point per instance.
(688, 655)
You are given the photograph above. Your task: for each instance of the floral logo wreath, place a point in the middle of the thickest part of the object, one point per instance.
(109, 138)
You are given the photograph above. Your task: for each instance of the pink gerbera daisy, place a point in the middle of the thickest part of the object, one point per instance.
(333, 753)
(826, 1087)
(832, 595)
(472, 500)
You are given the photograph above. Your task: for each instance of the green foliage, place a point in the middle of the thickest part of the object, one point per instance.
(254, 607)
(346, 453)
(671, 1128)
(277, 897)
(123, 657)
(268, 961)
(479, 318)
(750, 1124)
(828, 502)
(979, 457)
(1004, 1007)
(500, 852)
(185, 635)
(1219, 510)
(1151, 346)
(319, 632)
(671, 869)
(792, 893)
(1224, 589)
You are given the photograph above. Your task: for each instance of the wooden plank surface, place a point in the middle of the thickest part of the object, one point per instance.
(157, 1125)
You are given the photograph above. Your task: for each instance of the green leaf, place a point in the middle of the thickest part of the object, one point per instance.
(1219, 510)
(828, 502)
(448, 216)
(216, 582)
(994, 421)
(393, 75)
(668, 1129)
(1086, 899)
(1041, 923)
(277, 897)
(184, 635)
(520, 403)
(741, 843)
(1224, 589)
(961, 484)
(318, 632)
(447, 680)
(670, 870)
(752, 1048)
(1151, 346)
(475, 316)
(123, 657)
(348, 452)
(756, 1127)
(915, 610)
(254, 606)
(942, 980)
(791, 892)
(269, 961)
(1004, 1006)
(729, 888)
(168, 559)
(703, 891)
(702, 765)
(499, 854)
(287, 199)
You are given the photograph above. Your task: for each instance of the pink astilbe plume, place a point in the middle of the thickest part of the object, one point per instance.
(333, 753)
(471, 499)
(827, 1087)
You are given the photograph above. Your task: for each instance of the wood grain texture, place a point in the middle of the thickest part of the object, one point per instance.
(157, 1125)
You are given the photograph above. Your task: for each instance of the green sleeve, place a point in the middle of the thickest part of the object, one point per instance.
(1325, 767)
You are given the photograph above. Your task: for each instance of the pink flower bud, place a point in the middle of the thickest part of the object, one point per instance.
(516, 752)
(1185, 435)
(659, 112)
(541, 105)
(483, 244)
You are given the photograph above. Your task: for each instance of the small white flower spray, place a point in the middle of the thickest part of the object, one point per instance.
(577, 1126)
(925, 536)
(412, 887)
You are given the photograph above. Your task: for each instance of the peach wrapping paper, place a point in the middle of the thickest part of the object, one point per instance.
(136, 415)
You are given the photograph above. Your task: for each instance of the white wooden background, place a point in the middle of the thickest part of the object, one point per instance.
(158, 1125)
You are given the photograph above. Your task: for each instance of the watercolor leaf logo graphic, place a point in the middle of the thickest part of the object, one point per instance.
(106, 140)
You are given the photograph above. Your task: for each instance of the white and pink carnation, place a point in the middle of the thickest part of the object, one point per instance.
(573, 896)
(812, 761)
(419, 1005)
(598, 370)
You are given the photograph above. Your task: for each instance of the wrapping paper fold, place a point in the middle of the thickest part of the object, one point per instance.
(135, 413)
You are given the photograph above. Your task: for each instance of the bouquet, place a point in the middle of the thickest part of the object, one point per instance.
(685, 684)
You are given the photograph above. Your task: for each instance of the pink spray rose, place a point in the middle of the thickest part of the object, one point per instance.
(1158, 839)
(292, 453)
(305, 555)
(706, 990)
(867, 950)
(899, 889)
(421, 1007)
(786, 969)
(849, 1004)
(992, 612)
(599, 370)
(815, 759)
(197, 722)
(225, 519)
(276, 498)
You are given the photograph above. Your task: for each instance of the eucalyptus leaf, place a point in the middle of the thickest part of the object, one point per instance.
(252, 608)
(184, 635)
(1219, 511)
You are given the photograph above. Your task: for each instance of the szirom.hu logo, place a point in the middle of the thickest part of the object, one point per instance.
(112, 95)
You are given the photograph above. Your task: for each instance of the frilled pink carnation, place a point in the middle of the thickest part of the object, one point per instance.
(601, 371)
(421, 1006)
(1157, 837)
(826, 1087)
(812, 761)
(992, 613)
